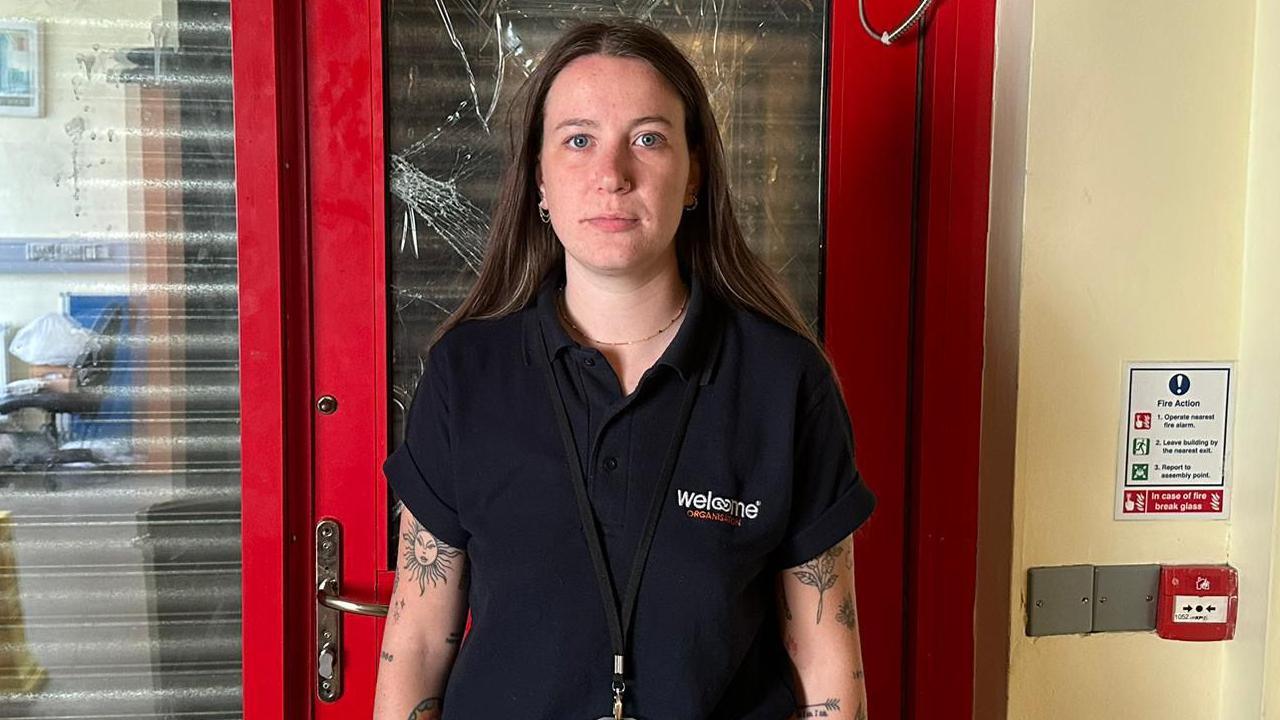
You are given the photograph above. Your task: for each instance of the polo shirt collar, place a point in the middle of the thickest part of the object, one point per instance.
(692, 352)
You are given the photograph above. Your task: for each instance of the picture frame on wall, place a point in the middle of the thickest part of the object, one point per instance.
(21, 69)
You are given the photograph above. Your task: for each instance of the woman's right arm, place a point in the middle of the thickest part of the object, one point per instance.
(425, 622)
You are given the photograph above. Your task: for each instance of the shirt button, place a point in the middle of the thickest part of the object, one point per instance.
(589, 362)
(611, 463)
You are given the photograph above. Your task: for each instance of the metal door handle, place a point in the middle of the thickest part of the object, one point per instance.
(329, 608)
(347, 605)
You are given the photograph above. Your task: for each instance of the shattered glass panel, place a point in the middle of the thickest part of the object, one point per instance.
(452, 67)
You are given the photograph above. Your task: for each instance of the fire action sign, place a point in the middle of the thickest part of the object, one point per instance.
(1175, 445)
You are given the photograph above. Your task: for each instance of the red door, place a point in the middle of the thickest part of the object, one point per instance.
(369, 138)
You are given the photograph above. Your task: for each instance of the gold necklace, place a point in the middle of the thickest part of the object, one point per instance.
(565, 316)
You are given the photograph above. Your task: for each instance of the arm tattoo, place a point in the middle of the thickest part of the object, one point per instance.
(454, 638)
(428, 709)
(847, 615)
(427, 558)
(819, 710)
(388, 656)
(820, 573)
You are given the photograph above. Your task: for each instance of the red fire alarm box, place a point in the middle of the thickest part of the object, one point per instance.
(1197, 602)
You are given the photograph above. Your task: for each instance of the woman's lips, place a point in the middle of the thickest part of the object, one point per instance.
(613, 224)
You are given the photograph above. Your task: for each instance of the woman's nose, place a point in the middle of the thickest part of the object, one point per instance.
(612, 173)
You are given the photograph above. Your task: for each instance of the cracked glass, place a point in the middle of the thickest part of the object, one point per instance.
(452, 67)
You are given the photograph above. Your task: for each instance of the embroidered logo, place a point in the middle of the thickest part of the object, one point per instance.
(709, 506)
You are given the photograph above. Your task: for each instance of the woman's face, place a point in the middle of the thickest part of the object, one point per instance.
(615, 170)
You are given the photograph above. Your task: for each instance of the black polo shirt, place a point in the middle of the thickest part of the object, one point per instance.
(765, 481)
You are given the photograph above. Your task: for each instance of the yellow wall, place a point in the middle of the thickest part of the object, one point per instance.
(1253, 664)
(1122, 156)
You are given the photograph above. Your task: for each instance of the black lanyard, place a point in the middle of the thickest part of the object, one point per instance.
(619, 627)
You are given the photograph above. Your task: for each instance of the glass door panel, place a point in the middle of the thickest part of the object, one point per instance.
(119, 408)
(451, 69)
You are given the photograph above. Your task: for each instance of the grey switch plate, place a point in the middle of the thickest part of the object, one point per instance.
(1059, 600)
(1124, 597)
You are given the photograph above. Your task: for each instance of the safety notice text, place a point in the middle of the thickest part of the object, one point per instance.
(1176, 441)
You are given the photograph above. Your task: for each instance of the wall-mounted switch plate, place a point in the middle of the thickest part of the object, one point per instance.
(1124, 597)
(1060, 600)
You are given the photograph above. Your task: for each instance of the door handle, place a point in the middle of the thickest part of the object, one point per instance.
(329, 608)
(325, 597)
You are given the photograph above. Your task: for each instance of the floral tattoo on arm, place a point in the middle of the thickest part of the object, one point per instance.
(847, 615)
(820, 573)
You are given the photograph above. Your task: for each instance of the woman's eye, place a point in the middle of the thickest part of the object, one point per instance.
(579, 141)
(649, 139)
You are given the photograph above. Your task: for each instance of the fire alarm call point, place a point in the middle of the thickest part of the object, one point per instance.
(1197, 602)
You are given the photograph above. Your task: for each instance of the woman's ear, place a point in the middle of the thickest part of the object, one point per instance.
(695, 178)
(537, 179)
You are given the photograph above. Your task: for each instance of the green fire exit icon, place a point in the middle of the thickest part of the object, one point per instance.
(1142, 446)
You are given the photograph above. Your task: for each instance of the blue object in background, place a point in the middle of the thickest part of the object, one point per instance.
(112, 421)
(86, 309)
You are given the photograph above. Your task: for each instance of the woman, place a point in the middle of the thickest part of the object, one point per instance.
(627, 457)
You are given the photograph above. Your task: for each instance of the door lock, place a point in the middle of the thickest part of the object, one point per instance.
(326, 661)
(329, 608)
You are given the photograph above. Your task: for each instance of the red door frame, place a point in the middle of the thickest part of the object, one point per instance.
(867, 279)
(275, 442)
(935, 365)
(869, 183)
(954, 182)
(347, 214)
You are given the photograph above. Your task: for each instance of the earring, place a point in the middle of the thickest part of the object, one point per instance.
(544, 214)
(694, 206)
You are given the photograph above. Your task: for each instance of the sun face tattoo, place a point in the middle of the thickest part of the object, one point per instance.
(427, 559)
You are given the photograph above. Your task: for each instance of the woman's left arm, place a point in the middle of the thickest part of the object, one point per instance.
(818, 609)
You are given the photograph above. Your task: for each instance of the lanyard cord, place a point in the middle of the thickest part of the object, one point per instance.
(619, 627)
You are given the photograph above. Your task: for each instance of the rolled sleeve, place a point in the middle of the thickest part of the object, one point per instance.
(829, 499)
(420, 470)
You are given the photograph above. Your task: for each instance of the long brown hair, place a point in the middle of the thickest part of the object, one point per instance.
(522, 249)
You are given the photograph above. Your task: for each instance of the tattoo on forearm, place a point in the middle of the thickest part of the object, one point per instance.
(427, 558)
(847, 615)
(428, 709)
(454, 638)
(820, 573)
(388, 656)
(858, 674)
(819, 710)
(398, 606)
(786, 606)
